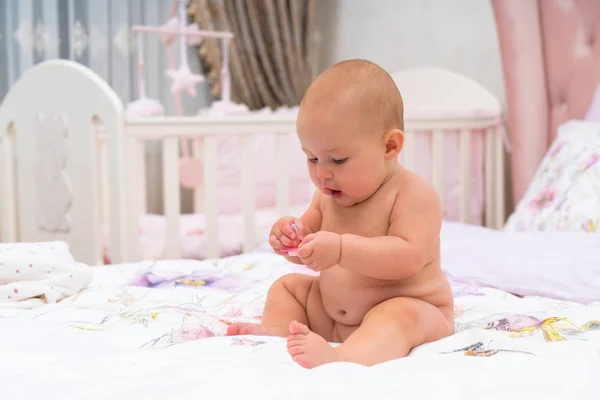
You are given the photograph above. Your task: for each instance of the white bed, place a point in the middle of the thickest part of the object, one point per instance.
(120, 338)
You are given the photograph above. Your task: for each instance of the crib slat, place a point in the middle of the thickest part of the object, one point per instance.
(171, 197)
(499, 181)
(133, 212)
(437, 163)
(103, 182)
(7, 187)
(465, 178)
(490, 165)
(283, 174)
(140, 159)
(248, 199)
(198, 190)
(409, 150)
(211, 197)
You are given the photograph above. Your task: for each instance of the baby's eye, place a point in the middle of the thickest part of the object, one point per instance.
(313, 160)
(343, 160)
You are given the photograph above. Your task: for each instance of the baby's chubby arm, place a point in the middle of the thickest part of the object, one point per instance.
(415, 225)
(282, 234)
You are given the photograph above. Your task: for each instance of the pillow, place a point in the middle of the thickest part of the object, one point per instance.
(565, 192)
(558, 265)
(593, 113)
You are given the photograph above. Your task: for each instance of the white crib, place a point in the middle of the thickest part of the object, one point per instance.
(70, 163)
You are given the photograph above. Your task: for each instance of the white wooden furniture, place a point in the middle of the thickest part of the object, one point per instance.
(70, 162)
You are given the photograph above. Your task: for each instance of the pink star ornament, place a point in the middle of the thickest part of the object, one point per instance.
(184, 80)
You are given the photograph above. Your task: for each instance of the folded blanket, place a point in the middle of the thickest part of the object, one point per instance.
(32, 274)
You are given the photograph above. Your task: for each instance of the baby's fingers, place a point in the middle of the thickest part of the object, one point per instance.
(276, 244)
(305, 251)
(288, 231)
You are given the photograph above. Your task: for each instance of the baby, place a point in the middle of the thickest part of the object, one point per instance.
(371, 230)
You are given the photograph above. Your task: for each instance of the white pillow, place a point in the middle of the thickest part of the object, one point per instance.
(565, 192)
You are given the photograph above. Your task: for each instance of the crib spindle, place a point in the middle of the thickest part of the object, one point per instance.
(465, 178)
(140, 160)
(9, 195)
(171, 196)
(437, 164)
(103, 181)
(283, 174)
(489, 160)
(198, 190)
(248, 197)
(211, 196)
(409, 150)
(133, 180)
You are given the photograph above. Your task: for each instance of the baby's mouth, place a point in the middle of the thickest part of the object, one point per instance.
(336, 194)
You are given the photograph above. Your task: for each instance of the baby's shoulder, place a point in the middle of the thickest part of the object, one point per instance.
(411, 190)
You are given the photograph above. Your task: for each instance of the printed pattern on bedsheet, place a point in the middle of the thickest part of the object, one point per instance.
(155, 305)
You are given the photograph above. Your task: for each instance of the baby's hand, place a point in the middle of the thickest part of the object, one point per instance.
(321, 250)
(284, 235)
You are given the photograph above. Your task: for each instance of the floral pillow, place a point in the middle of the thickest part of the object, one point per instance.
(565, 192)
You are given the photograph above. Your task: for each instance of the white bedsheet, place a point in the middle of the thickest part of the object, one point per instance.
(120, 338)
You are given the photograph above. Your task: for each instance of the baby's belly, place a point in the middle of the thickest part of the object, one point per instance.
(347, 296)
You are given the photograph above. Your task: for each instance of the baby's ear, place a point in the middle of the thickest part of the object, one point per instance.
(394, 141)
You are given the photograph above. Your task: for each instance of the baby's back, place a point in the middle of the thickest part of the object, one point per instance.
(347, 295)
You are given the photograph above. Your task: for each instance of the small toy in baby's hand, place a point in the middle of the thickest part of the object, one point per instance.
(292, 250)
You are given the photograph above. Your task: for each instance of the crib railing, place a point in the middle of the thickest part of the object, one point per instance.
(206, 131)
(493, 160)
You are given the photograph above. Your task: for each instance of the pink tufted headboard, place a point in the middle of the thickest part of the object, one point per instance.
(551, 61)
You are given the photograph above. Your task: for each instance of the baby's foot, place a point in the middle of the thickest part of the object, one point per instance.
(245, 328)
(307, 348)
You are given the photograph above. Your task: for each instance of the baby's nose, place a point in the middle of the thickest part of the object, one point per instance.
(323, 172)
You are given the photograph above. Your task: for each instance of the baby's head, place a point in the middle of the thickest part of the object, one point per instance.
(351, 127)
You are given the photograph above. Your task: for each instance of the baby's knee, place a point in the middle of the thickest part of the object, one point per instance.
(296, 284)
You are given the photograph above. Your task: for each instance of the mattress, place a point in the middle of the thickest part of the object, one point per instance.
(154, 330)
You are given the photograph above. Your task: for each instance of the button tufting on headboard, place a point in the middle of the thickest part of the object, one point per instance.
(590, 40)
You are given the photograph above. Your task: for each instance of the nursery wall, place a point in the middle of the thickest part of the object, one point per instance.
(456, 34)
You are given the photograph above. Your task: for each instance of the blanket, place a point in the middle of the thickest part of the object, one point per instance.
(33, 274)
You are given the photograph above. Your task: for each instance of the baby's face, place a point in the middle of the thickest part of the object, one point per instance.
(345, 161)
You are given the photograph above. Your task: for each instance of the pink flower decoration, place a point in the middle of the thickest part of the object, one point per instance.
(189, 332)
(591, 161)
(233, 313)
(545, 197)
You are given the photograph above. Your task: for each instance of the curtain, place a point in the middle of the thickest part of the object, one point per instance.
(273, 54)
(95, 33)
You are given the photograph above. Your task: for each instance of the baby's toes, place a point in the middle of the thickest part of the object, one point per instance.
(297, 328)
(295, 340)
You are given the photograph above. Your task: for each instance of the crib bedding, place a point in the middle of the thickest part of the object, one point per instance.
(192, 239)
(154, 330)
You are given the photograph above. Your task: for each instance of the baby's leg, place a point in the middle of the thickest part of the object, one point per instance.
(388, 331)
(293, 297)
